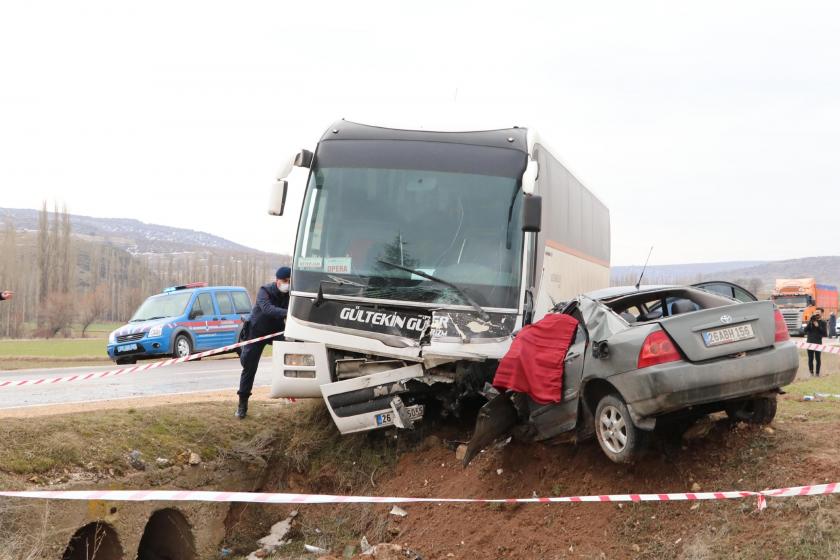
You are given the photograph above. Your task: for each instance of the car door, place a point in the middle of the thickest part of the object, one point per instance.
(553, 419)
(228, 322)
(202, 313)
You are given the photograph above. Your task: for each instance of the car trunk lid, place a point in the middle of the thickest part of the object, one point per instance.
(721, 331)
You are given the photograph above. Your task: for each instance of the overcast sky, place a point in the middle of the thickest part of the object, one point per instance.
(711, 131)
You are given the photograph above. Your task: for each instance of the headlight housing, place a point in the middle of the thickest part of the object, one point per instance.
(112, 338)
(155, 331)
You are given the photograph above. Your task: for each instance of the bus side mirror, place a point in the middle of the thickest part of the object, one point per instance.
(532, 213)
(277, 199)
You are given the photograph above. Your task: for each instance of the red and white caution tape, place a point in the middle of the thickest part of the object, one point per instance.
(832, 349)
(284, 498)
(133, 369)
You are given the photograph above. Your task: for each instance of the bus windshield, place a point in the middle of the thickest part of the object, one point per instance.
(452, 211)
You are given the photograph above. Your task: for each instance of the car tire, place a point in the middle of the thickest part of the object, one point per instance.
(759, 410)
(182, 346)
(619, 438)
(126, 361)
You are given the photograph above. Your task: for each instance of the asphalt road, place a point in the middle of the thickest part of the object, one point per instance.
(189, 377)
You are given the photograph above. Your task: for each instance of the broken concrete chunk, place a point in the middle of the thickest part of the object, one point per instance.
(461, 452)
(365, 545)
(195, 459)
(398, 511)
(314, 549)
(161, 462)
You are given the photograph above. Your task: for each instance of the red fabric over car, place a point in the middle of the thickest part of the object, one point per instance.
(534, 362)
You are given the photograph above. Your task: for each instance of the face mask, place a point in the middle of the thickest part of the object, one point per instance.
(284, 288)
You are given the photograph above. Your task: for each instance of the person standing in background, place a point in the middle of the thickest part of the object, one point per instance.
(816, 329)
(832, 325)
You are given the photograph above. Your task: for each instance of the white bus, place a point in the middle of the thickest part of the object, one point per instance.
(418, 256)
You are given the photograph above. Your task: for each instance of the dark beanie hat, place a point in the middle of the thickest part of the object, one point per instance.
(284, 272)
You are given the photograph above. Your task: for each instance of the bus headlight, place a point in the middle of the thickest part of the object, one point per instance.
(155, 331)
(305, 360)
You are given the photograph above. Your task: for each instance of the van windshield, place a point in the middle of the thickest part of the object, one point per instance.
(448, 210)
(162, 306)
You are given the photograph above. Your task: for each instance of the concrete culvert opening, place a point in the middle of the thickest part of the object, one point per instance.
(94, 541)
(167, 535)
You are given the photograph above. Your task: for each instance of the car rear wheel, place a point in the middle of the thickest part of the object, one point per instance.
(182, 346)
(760, 410)
(618, 437)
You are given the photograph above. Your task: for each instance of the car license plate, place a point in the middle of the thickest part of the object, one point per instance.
(126, 348)
(727, 335)
(415, 412)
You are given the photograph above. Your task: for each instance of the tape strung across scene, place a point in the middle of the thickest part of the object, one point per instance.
(283, 498)
(133, 369)
(818, 347)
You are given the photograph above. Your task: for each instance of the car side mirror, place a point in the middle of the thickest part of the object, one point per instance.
(195, 313)
(532, 213)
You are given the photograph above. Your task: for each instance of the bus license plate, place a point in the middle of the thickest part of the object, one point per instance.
(728, 335)
(415, 412)
(126, 348)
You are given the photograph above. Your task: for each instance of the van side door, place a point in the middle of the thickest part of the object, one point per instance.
(228, 324)
(201, 314)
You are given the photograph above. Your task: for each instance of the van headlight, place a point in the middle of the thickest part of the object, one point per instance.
(112, 338)
(155, 331)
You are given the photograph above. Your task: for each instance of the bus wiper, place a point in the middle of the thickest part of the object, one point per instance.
(338, 281)
(481, 313)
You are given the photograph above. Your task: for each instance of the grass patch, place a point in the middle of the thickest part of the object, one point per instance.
(98, 441)
(53, 348)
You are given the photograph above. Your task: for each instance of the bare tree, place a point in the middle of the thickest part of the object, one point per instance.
(92, 307)
(57, 314)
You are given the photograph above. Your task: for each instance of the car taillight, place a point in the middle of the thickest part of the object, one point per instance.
(658, 349)
(781, 328)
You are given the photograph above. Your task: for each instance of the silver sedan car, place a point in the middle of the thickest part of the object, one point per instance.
(647, 355)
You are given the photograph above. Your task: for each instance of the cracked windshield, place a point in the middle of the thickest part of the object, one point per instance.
(460, 227)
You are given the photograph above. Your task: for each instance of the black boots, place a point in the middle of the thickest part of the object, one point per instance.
(242, 410)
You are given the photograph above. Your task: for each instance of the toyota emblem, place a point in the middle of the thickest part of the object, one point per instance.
(725, 318)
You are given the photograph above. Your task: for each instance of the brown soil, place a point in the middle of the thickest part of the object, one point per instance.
(730, 457)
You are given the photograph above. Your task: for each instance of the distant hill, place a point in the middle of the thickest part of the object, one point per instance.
(758, 276)
(673, 273)
(133, 236)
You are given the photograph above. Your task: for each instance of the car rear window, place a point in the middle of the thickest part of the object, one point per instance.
(241, 302)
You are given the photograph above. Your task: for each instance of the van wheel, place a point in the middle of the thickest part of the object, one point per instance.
(760, 410)
(182, 346)
(619, 438)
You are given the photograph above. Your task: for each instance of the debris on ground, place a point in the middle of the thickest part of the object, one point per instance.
(389, 551)
(161, 462)
(699, 430)
(314, 549)
(460, 452)
(365, 545)
(135, 460)
(275, 538)
(195, 459)
(398, 511)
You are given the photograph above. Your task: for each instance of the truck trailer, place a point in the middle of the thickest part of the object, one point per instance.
(419, 255)
(798, 298)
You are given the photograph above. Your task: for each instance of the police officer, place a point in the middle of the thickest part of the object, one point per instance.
(268, 316)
